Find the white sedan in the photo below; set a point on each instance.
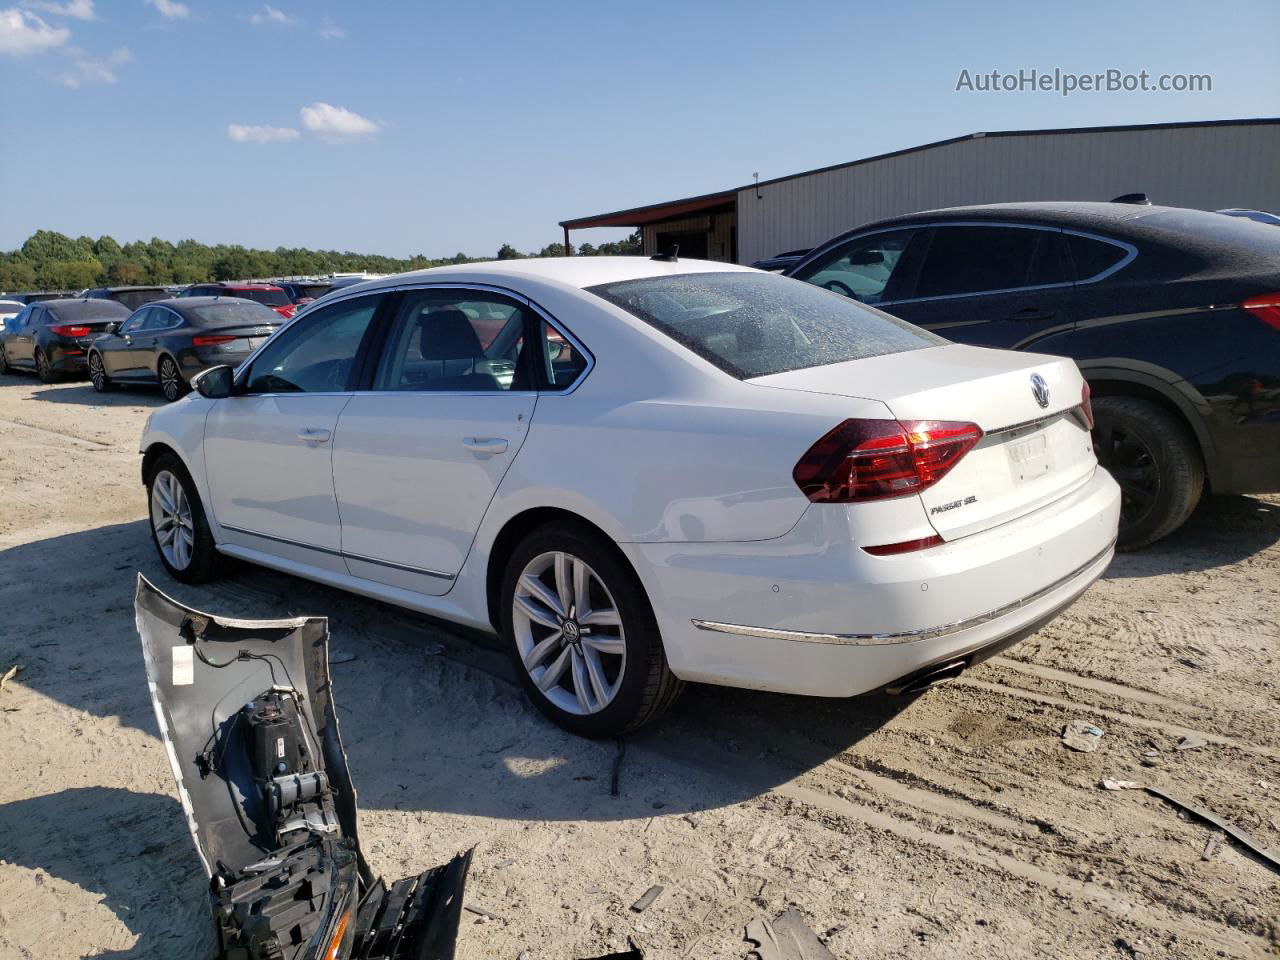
(643, 472)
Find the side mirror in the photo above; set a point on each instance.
(214, 383)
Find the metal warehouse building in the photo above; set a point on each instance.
(1210, 165)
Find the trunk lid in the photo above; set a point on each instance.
(1030, 454)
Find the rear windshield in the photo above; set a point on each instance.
(76, 311)
(313, 290)
(754, 324)
(229, 313)
(133, 299)
(272, 298)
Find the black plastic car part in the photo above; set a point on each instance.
(246, 712)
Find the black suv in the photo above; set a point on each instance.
(1173, 315)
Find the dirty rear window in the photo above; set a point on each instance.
(754, 324)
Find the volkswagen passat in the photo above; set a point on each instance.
(643, 472)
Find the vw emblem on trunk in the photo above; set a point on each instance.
(1040, 390)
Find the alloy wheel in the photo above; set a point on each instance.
(42, 366)
(4, 361)
(568, 632)
(97, 375)
(1133, 466)
(171, 519)
(170, 382)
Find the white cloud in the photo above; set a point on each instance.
(22, 33)
(79, 9)
(269, 14)
(261, 134)
(87, 70)
(171, 9)
(336, 123)
(330, 30)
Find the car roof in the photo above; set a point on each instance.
(11, 303)
(184, 304)
(579, 272)
(144, 286)
(226, 285)
(85, 309)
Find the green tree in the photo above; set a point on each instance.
(234, 263)
(124, 273)
(48, 245)
(508, 252)
(16, 275)
(552, 250)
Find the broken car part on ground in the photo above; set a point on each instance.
(246, 713)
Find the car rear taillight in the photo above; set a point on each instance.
(1086, 405)
(286, 312)
(62, 330)
(864, 460)
(211, 340)
(1266, 308)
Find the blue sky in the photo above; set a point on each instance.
(433, 128)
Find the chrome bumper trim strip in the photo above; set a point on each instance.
(907, 636)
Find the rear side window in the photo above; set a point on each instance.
(966, 259)
(1093, 257)
(754, 324)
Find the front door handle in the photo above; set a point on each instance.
(485, 445)
(1032, 313)
(310, 435)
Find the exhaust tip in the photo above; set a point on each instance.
(933, 677)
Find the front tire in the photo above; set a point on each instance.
(582, 635)
(43, 368)
(179, 529)
(98, 374)
(1155, 459)
(171, 383)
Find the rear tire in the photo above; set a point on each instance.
(616, 648)
(179, 529)
(171, 383)
(5, 366)
(98, 374)
(43, 369)
(1155, 458)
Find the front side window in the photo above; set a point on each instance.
(970, 259)
(751, 324)
(318, 354)
(451, 340)
(135, 323)
(862, 268)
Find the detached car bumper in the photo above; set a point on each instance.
(807, 614)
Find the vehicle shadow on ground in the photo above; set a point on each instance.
(1221, 531)
(431, 715)
(132, 848)
(83, 393)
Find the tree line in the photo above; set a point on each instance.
(49, 260)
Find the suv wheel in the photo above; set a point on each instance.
(1156, 461)
(582, 635)
(178, 525)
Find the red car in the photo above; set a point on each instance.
(265, 293)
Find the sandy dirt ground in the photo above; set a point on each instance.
(952, 825)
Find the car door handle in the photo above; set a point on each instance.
(485, 445)
(309, 435)
(1032, 313)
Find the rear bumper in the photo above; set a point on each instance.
(67, 357)
(804, 614)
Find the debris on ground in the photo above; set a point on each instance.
(481, 912)
(10, 674)
(1211, 846)
(646, 900)
(788, 937)
(1192, 741)
(1121, 785)
(1208, 816)
(1080, 736)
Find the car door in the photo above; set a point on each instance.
(19, 338)
(991, 285)
(268, 447)
(158, 330)
(120, 354)
(418, 457)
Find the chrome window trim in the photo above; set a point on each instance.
(1131, 253)
(339, 553)
(906, 636)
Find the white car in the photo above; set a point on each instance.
(642, 472)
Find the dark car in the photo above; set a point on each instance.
(52, 337)
(267, 294)
(781, 262)
(169, 341)
(131, 297)
(1173, 315)
(38, 296)
(304, 291)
